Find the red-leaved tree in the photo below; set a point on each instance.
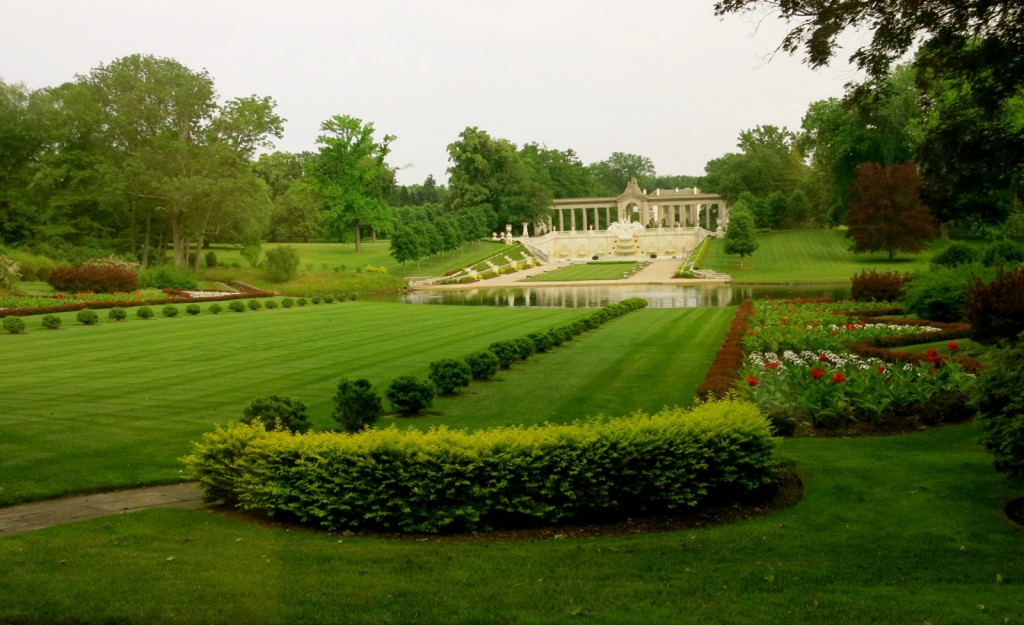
(886, 213)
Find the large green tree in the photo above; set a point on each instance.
(353, 176)
(740, 235)
(489, 171)
(613, 174)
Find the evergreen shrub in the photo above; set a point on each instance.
(169, 311)
(483, 365)
(211, 258)
(449, 481)
(215, 308)
(409, 395)
(301, 301)
(87, 316)
(541, 341)
(357, 405)
(449, 374)
(277, 412)
(314, 300)
(144, 312)
(51, 322)
(271, 304)
(956, 254)
(938, 295)
(1003, 253)
(287, 302)
(254, 304)
(236, 306)
(117, 314)
(525, 347)
(193, 309)
(506, 351)
(998, 396)
(14, 325)
(878, 286)
(167, 277)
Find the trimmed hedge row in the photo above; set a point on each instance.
(448, 481)
(724, 370)
(172, 299)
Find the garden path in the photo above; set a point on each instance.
(34, 516)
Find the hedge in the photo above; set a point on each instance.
(449, 481)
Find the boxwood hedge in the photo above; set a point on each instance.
(447, 481)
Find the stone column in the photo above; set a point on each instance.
(584, 212)
(561, 220)
(572, 219)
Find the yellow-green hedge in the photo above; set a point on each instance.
(445, 480)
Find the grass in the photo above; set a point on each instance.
(332, 267)
(903, 529)
(588, 271)
(116, 404)
(808, 256)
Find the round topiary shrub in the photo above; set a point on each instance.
(449, 374)
(193, 309)
(287, 302)
(954, 255)
(555, 336)
(1005, 253)
(144, 312)
(117, 314)
(236, 306)
(270, 305)
(87, 316)
(506, 351)
(210, 258)
(169, 311)
(483, 365)
(525, 347)
(357, 405)
(14, 325)
(301, 301)
(254, 304)
(315, 300)
(328, 299)
(51, 322)
(278, 412)
(541, 341)
(409, 394)
(215, 308)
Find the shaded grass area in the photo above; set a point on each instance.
(644, 361)
(588, 271)
(332, 267)
(809, 256)
(116, 404)
(905, 529)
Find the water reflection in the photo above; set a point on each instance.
(657, 296)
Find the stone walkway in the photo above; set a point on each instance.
(34, 516)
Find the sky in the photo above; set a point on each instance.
(665, 79)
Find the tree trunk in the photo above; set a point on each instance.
(179, 240)
(359, 242)
(199, 248)
(147, 241)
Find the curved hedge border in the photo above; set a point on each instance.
(444, 480)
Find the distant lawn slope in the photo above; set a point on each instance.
(808, 256)
(336, 267)
(588, 271)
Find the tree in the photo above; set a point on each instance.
(740, 237)
(405, 245)
(769, 163)
(886, 213)
(561, 171)
(613, 174)
(492, 172)
(278, 411)
(352, 175)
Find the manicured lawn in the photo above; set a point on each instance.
(116, 404)
(644, 361)
(588, 271)
(808, 256)
(903, 529)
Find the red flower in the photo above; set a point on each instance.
(953, 347)
(752, 381)
(932, 356)
(751, 333)
(817, 374)
(833, 333)
(785, 320)
(823, 357)
(850, 326)
(881, 368)
(838, 377)
(771, 365)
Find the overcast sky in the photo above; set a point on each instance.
(661, 78)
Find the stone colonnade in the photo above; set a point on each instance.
(564, 218)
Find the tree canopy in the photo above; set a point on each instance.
(886, 213)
